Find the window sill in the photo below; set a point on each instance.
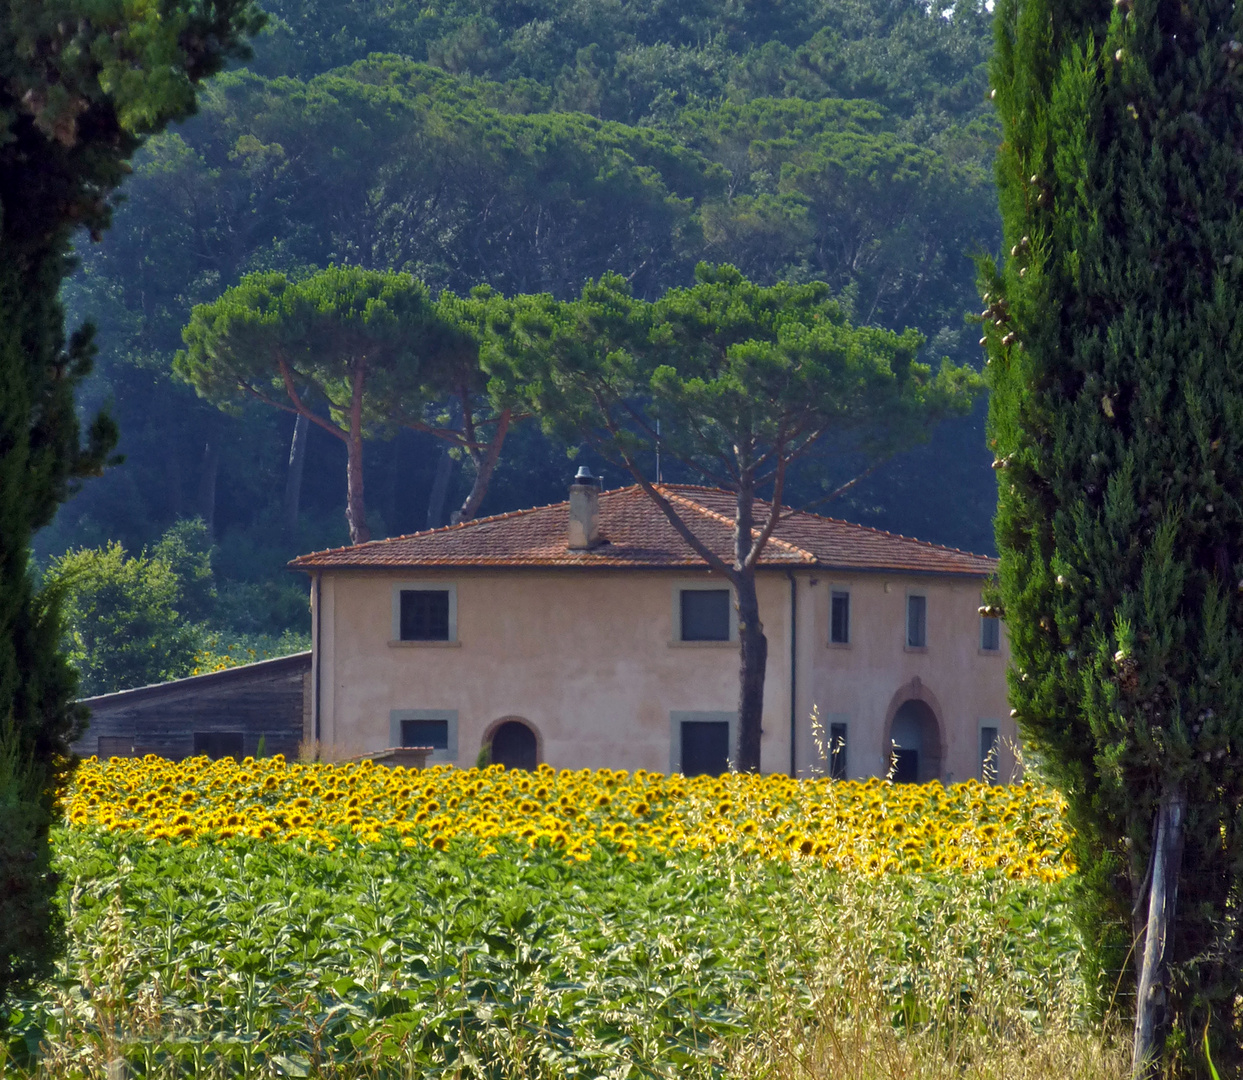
(703, 644)
(424, 644)
(990, 652)
(839, 644)
(915, 648)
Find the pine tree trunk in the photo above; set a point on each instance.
(440, 490)
(1150, 1006)
(752, 644)
(172, 484)
(753, 663)
(485, 465)
(208, 476)
(293, 477)
(355, 507)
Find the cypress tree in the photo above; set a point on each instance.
(81, 84)
(1115, 349)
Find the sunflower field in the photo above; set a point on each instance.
(873, 827)
(265, 919)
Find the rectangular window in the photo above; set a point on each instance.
(437, 728)
(705, 614)
(990, 633)
(433, 733)
(705, 747)
(837, 751)
(839, 618)
(218, 744)
(988, 754)
(424, 615)
(701, 742)
(916, 622)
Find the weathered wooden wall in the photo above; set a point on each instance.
(269, 700)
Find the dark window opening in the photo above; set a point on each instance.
(916, 621)
(837, 751)
(705, 614)
(705, 747)
(433, 733)
(990, 634)
(839, 619)
(218, 744)
(988, 754)
(424, 614)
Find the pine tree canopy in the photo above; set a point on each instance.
(1114, 329)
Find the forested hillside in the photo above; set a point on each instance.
(531, 146)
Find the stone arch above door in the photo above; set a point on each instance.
(915, 722)
(515, 743)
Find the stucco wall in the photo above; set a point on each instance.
(865, 682)
(588, 660)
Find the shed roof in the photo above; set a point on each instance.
(636, 534)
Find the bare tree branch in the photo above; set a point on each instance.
(666, 508)
(299, 407)
(484, 467)
(774, 515)
(839, 491)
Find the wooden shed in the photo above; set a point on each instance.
(220, 714)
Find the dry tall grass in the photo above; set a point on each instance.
(881, 998)
(872, 1050)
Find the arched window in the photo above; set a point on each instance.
(514, 745)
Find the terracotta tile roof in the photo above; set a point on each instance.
(636, 534)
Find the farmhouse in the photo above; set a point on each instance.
(590, 634)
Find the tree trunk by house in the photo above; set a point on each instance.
(440, 489)
(753, 663)
(355, 506)
(1166, 864)
(208, 474)
(752, 644)
(485, 465)
(293, 477)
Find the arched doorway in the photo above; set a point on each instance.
(915, 743)
(514, 745)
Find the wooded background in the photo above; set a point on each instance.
(532, 146)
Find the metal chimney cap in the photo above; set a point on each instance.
(583, 476)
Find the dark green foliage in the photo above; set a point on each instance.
(543, 144)
(31, 932)
(1115, 335)
(81, 85)
(126, 623)
(648, 59)
(187, 550)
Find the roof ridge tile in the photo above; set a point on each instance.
(773, 538)
(638, 535)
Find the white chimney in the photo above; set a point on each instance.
(584, 511)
